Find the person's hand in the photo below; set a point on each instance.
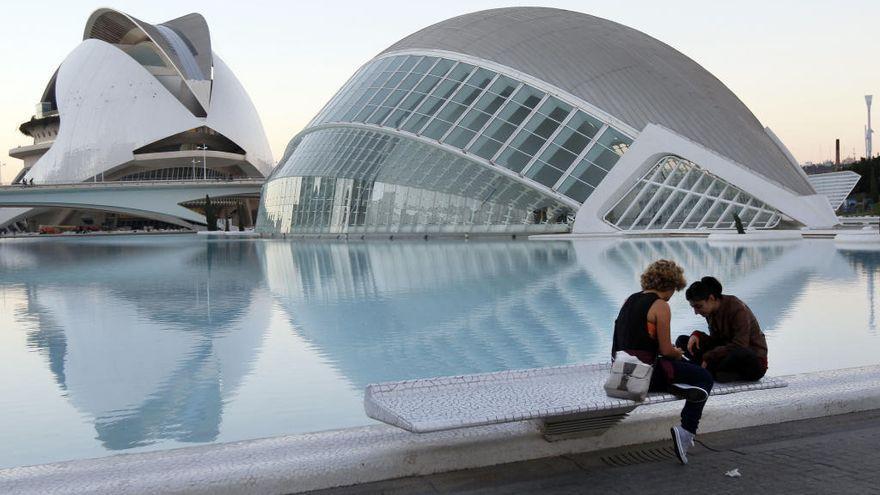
(678, 353)
(693, 343)
(705, 365)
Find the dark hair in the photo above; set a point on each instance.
(703, 288)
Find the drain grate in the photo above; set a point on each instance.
(639, 456)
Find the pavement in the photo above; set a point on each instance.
(833, 454)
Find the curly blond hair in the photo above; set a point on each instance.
(663, 275)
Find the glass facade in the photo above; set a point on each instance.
(501, 120)
(347, 180)
(677, 194)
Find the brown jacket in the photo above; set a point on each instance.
(732, 325)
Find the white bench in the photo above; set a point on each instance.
(568, 400)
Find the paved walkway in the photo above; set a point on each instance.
(838, 454)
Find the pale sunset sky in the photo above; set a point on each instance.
(802, 67)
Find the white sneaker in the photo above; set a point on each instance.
(683, 440)
(690, 393)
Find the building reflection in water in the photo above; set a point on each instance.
(133, 338)
(391, 311)
(865, 260)
(151, 340)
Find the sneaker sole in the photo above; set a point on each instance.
(691, 393)
(678, 453)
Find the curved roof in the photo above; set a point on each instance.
(184, 42)
(620, 70)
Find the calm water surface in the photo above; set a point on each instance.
(125, 344)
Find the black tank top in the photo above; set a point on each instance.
(631, 325)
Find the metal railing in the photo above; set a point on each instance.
(135, 184)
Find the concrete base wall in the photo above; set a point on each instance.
(344, 457)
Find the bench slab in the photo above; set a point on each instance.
(560, 393)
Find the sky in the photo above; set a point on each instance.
(802, 67)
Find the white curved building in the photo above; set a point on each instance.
(535, 120)
(136, 101)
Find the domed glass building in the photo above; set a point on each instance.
(529, 120)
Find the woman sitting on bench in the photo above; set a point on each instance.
(642, 329)
(735, 348)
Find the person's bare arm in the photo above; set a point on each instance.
(661, 316)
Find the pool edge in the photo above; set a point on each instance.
(291, 464)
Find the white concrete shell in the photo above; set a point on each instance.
(130, 85)
(110, 106)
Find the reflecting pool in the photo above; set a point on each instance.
(125, 344)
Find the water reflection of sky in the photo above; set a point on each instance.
(136, 343)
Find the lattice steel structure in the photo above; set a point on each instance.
(837, 186)
(678, 195)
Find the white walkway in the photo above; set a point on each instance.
(159, 200)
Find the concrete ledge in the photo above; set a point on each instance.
(753, 236)
(859, 239)
(231, 233)
(358, 455)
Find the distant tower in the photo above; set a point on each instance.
(837, 154)
(868, 130)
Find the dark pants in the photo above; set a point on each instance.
(683, 372)
(739, 364)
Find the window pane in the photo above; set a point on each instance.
(716, 188)
(714, 214)
(545, 174)
(460, 137)
(427, 84)
(460, 72)
(541, 126)
(423, 65)
(575, 189)
(485, 147)
(571, 140)
(615, 141)
(489, 102)
(555, 109)
(408, 63)
(513, 159)
(467, 95)
(603, 157)
(528, 97)
(480, 79)
(442, 67)
(437, 128)
(558, 157)
(474, 120)
(593, 175)
(514, 114)
(500, 130)
(451, 112)
(528, 143)
(585, 124)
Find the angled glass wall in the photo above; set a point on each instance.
(676, 194)
(836, 186)
(349, 180)
(494, 117)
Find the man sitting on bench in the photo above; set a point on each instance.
(735, 348)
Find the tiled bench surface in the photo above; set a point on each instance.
(445, 403)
